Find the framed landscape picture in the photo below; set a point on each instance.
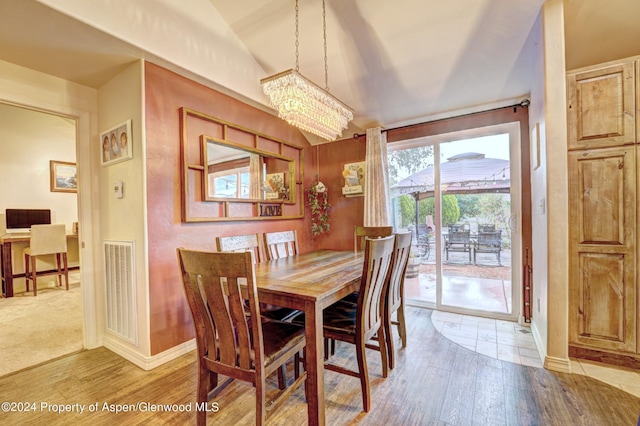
(115, 144)
(63, 176)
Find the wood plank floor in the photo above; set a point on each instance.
(435, 382)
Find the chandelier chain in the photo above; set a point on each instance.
(324, 29)
(297, 42)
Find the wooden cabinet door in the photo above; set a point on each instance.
(602, 244)
(601, 109)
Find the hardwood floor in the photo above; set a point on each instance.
(435, 382)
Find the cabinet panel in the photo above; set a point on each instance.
(601, 110)
(601, 183)
(602, 196)
(606, 300)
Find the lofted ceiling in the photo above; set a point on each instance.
(394, 62)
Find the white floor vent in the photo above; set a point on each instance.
(121, 294)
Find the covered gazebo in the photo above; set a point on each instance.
(468, 173)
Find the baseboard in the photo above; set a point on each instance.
(540, 345)
(559, 365)
(148, 362)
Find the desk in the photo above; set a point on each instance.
(6, 243)
(310, 282)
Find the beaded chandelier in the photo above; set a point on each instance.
(303, 103)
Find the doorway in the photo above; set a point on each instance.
(31, 139)
(462, 206)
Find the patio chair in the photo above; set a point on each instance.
(486, 227)
(488, 242)
(459, 241)
(457, 227)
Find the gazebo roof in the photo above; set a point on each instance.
(470, 173)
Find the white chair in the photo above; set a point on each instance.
(46, 240)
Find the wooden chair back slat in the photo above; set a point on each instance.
(400, 261)
(360, 232)
(377, 266)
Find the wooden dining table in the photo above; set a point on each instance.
(310, 282)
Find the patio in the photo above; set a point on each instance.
(478, 287)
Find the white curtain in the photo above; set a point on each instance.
(255, 176)
(376, 186)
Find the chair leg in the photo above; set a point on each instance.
(402, 325)
(26, 271)
(364, 374)
(261, 411)
(65, 264)
(34, 275)
(296, 365)
(282, 376)
(383, 351)
(204, 386)
(59, 275)
(388, 333)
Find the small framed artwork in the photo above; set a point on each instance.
(274, 186)
(63, 176)
(535, 146)
(354, 175)
(115, 144)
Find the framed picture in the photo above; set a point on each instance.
(115, 144)
(354, 175)
(274, 185)
(63, 176)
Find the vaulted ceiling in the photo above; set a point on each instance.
(394, 62)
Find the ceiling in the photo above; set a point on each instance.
(395, 63)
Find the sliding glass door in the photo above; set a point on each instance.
(462, 206)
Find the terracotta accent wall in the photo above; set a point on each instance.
(346, 212)
(165, 93)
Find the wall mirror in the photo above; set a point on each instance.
(242, 173)
(233, 173)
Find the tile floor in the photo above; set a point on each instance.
(509, 341)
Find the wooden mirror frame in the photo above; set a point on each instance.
(196, 129)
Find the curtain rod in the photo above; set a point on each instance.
(523, 104)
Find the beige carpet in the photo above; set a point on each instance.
(37, 329)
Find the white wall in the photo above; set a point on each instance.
(537, 127)
(123, 219)
(555, 131)
(28, 141)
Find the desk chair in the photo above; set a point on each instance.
(359, 232)
(46, 240)
(229, 341)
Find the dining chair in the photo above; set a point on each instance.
(251, 243)
(46, 240)
(281, 244)
(395, 294)
(230, 342)
(360, 232)
(358, 324)
(242, 243)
